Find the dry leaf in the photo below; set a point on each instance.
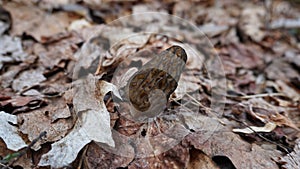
(9, 133)
(238, 151)
(251, 23)
(200, 160)
(279, 69)
(61, 47)
(93, 123)
(288, 91)
(5, 21)
(79, 24)
(177, 157)
(11, 50)
(97, 157)
(37, 121)
(292, 160)
(272, 112)
(28, 79)
(9, 76)
(36, 22)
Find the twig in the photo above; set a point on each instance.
(197, 103)
(82, 156)
(261, 95)
(256, 95)
(4, 166)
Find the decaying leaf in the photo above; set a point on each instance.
(9, 76)
(37, 121)
(265, 112)
(61, 48)
(31, 20)
(11, 50)
(93, 123)
(79, 24)
(28, 79)
(251, 23)
(281, 70)
(242, 154)
(97, 157)
(5, 21)
(177, 157)
(198, 159)
(9, 133)
(18, 104)
(292, 160)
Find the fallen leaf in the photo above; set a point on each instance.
(288, 91)
(88, 57)
(18, 104)
(9, 76)
(61, 47)
(279, 69)
(11, 50)
(79, 24)
(9, 133)
(36, 22)
(4, 151)
(93, 123)
(225, 143)
(28, 79)
(251, 23)
(37, 121)
(291, 160)
(281, 120)
(177, 157)
(293, 57)
(212, 29)
(97, 157)
(285, 23)
(5, 21)
(265, 112)
(198, 159)
(246, 56)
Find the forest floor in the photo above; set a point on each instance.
(73, 76)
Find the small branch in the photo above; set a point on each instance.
(2, 166)
(256, 95)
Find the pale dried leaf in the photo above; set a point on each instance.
(9, 133)
(64, 151)
(79, 24)
(36, 22)
(288, 91)
(292, 160)
(93, 123)
(251, 23)
(285, 23)
(11, 50)
(38, 121)
(28, 79)
(3, 27)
